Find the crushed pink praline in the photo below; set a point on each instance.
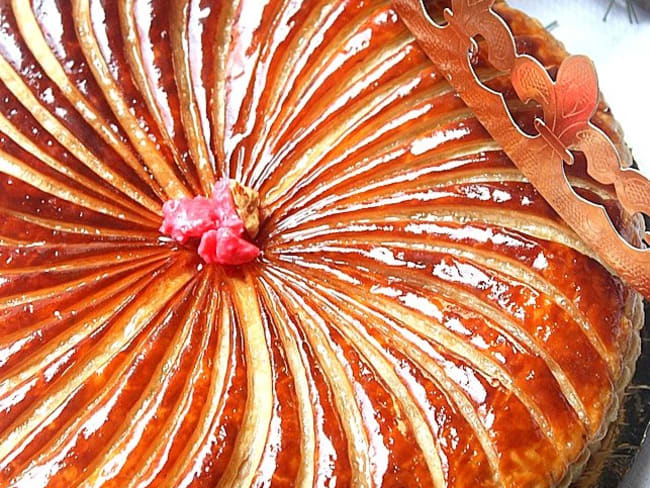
(215, 222)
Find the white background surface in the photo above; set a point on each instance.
(621, 52)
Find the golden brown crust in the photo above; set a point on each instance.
(247, 203)
(545, 47)
(419, 316)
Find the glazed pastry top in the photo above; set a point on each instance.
(418, 315)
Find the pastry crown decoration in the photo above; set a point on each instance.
(568, 103)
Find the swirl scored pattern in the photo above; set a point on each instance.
(418, 316)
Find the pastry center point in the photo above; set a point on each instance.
(222, 225)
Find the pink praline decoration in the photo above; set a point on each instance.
(215, 222)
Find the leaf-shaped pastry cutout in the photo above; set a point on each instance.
(466, 9)
(602, 158)
(532, 82)
(634, 191)
(477, 18)
(577, 97)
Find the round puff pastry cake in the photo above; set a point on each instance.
(418, 316)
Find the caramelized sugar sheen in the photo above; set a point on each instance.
(418, 315)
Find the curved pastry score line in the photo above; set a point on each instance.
(250, 442)
(204, 435)
(161, 452)
(142, 76)
(160, 168)
(7, 128)
(13, 167)
(52, 457)
(37, 43)
(130, 328)
(193, 124)
(65, 137)
(312, 324)
(491, 308)
(307, 474)
(491, 261)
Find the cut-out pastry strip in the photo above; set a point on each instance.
(569, 102)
